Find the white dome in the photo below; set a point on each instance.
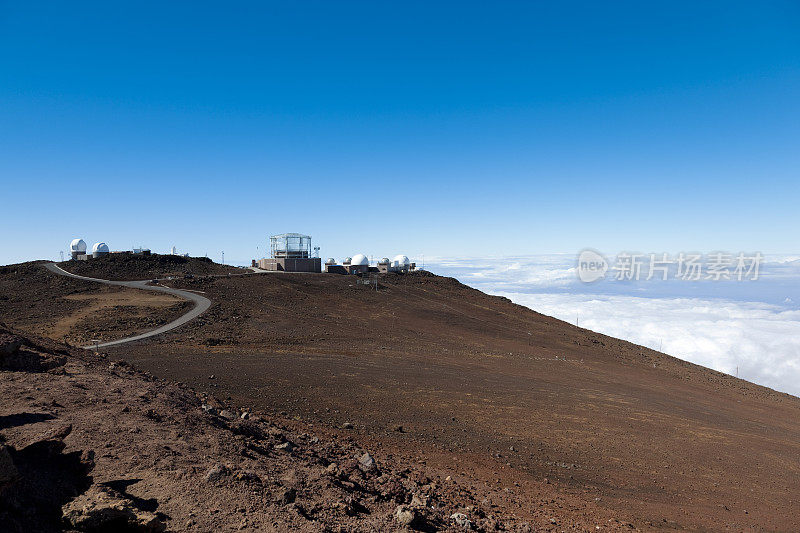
(384, 260)
(359, 259)
(100, 248)
(346, 261)
(78, 245)
(330, 261)
(401, 260)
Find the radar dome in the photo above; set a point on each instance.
(78, 246)
(359, 259)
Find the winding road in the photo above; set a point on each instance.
(201, 304)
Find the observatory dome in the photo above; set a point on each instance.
(100, 248)
(78, 246)
(384, 260)
(346, 261)
(330, 261)
(359, 259)
(401, 260)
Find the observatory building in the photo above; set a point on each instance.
(291, 252)
(401, 263)
(99, 249)
(359, 264)
(77, 250)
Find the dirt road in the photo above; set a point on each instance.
(201, 304)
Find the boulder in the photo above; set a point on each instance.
(405, 516)
(366, 462)
(102, 509)
(285, 447)
(228, 414)
(461, 520)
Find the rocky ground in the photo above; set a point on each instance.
(92, 444)
(138, 267)
(515, 417)
(504, 389)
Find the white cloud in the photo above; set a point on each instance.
(752, 325)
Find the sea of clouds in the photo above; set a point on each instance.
(751, 327)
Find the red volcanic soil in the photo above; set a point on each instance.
(536, 418)
(505, 390)
(90, 444)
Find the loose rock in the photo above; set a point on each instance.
(405, 516)
(366, 462)
(106, 510)
(461, 520)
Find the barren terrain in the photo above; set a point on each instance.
(41, 303)
(126, 267)
(91, 444)
(552, 425)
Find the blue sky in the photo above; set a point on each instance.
(425, 128)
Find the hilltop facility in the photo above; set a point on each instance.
(290, 252)
(359, 264)
(78, 251)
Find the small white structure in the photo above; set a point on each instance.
(99, 249)
(359, 264)
(330, 261)
(359, 259)
(78, 245)
(400, 263)
(77, 249)
(346, 261)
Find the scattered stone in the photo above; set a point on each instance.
(405, 516)
(228, 414)
(245, 416)
(285, 447)
(366, 462)
(399, 429)
(461, 520)
(210, 409)
(347, 425)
